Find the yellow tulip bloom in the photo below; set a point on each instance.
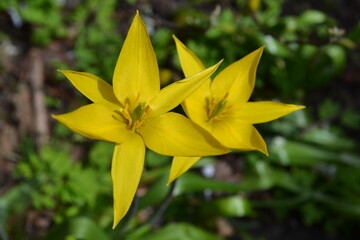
(221, 106)
(133, 113)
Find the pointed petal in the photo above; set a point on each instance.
(126, 168)
(265, 111)
(195, 105)
(95, 121)
(190, 63)
(136, 74)
(180, 165)
(237, 80)
(175, 135)
(237, 134)
(93, 87)
(175, 93)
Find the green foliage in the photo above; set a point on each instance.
(180, 231)
(293, 43)
(57, 182)
(77, 228)
(97, 44)
(314, 166)
(37, 13)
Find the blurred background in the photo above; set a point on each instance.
(55, 184)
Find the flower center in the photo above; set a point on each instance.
(216, 109)
(136, 118)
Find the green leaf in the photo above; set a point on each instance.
(275, 47)
(234, 206)
(311, 17)
(264, 177)
(337, 56)
(180, 231)
(14, 201)
(328, 109)
(78, 228)
(288, 152)
(338, 204)
(354, 34)
(155, 160)
(350, 118)
(156, 193)
(329, 139)
(101, 154)
(190, 182)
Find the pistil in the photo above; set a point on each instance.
(137, 117)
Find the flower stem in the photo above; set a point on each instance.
(132, 213)
(157, 216)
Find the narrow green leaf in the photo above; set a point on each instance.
(191, 182)
(78, 228)
(234, 206)
(180, 231)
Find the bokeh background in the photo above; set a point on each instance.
(55, 184)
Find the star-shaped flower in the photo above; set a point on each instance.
(133, 113)
(221, 106)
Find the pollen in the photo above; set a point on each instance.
(216, 109)
(136, 118)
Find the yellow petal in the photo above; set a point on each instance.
(195, 105)
(180, 165)
(126, 168)
(236, 82)
(265, 111)
(93, 87)
(175, 135)
(95, 121)
(175, 93)
(190, 63)
(237, 134)
(136, 75)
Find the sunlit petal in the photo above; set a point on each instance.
(236, 82)
(175, 135)
(136, 75)
(265, 111)
(190, 63)
(126, 169)
(237, 134)
(175, 93)
(95, 121)
(195, 105)
(93, 87)
(180, 165)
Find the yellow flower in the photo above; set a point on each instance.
(133, 113)
(221, 106)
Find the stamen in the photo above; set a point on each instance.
(126, 114)
(217, 110)
(136, 118)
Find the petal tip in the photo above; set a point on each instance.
(174, 37)
(115, 224)
(65, 71)
(169, 182)
(178, 43)
(260, 50)
(263, 150)
(296, 107)
(301, 106)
